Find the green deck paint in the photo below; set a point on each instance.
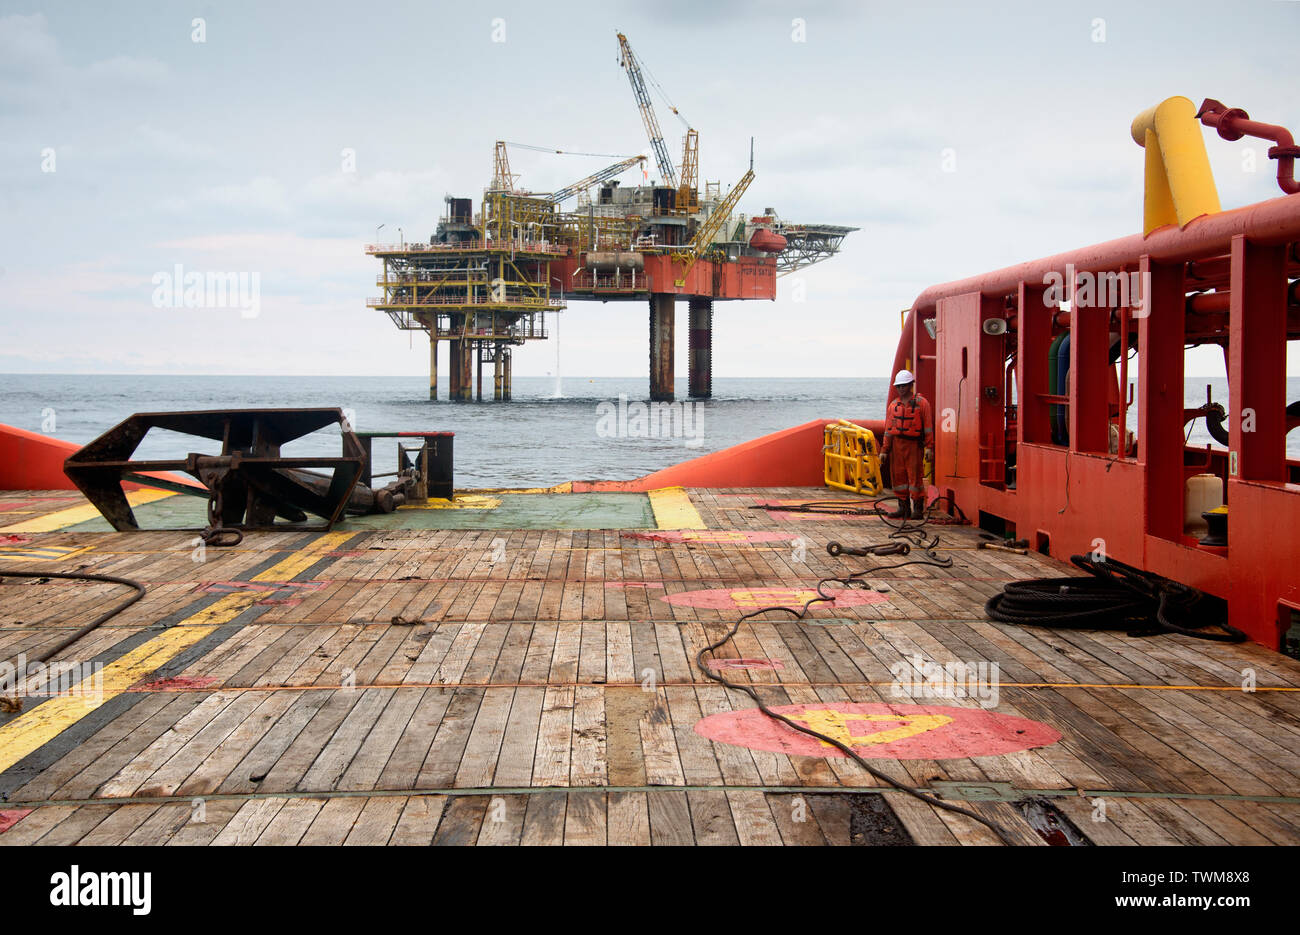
(517, 511)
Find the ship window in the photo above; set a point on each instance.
(1206, 377)
(1132, 416)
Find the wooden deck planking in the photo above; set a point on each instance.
(554, 678)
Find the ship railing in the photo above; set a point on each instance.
(519, 301)
(529, 327)
(623, 282)
(516, 246)
(419, 277)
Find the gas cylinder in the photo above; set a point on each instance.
(1204, 493)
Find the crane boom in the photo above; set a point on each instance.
(688, 195)
(628, 60)
(709, 228)
(608, 172)
(502, 179)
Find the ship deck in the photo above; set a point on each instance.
(537, 685)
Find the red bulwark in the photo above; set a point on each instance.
(31, 461)
(999, 452)
(789, 458)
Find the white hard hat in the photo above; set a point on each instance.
(904, 376)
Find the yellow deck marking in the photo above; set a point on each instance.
(566, 487)
(835, 724)
(45, 553)
(43, 723)
(673, 509)
(467, 501)
(772, 596)
(304, 558)
(61, 519)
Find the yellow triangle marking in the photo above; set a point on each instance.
(835, 724)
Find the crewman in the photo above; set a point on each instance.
(909, 434)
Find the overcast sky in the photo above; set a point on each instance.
(228, 155)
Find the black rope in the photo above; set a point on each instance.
(1116, 597)
(78, 576)
(905, 529)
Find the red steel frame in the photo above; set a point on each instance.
(1078, 497)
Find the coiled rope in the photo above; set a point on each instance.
(1116, 597)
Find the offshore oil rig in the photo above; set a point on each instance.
(485, 280)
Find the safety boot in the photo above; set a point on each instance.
(918, 509)
(904, 510)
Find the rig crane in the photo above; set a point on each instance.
(629, 62)
(608, 172)
(712, 224)
(504, 181)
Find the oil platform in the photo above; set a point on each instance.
(485, 281)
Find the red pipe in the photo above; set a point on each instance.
(1233, 123)
(1207, 303)
(1269, 222)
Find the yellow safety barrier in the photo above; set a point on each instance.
(852, 458)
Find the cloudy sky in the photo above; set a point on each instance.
(228, 155)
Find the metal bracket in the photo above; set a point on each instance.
(976, 791)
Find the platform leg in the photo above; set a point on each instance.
(433, 367)
(662, 319)
(701, 348)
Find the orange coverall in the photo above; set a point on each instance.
(909, 432)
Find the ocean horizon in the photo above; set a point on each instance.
(554, 430)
